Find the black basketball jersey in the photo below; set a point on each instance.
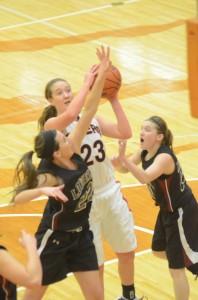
(169, 191)
(7, 288)
(61, 216)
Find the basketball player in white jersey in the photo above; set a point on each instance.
(110, 215)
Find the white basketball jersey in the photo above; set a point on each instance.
(94, 154)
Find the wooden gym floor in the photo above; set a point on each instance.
(41, 40)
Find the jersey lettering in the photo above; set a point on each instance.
(182, 180)
(93, 129)
(84, 179)
(86, 197)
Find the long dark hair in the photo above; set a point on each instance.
(26, 174)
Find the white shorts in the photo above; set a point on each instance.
(111, 218)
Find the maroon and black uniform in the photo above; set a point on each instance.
(176, 228)
(65, 242)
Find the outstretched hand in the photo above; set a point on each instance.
(27, 240)
(117, 160)
(91, 75)
(122, 148)
(55, 192)
(105, 63)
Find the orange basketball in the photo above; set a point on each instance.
(112, 83)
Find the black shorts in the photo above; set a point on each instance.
(176, 233)
(65, 252)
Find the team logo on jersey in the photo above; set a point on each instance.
(94, 129)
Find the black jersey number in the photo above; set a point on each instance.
(85, 198)
(86, 149)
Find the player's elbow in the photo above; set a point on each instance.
(34, 282)
(71, 116)
(127, 134)
(144, 180)
(17, 200)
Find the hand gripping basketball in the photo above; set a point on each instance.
(112, 83)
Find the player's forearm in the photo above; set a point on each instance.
(27, 195)
(77, 103)
(123, 125)
(121, 169)
(33, 269)
(93, 100)
(136, 171)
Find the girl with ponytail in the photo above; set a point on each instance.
(176, 231)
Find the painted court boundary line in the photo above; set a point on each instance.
(35, 21)
(45, 21)
(109, 262)
(108, 143)
(123, 186)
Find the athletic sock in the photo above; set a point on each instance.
(128, 291)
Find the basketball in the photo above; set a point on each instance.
(112, 83)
